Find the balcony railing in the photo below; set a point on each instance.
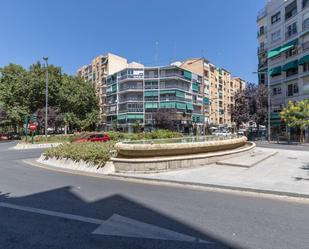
(262, 13)
(176, 87)
(305, 46)
(261, 32)
(132, 87)
(261, 50)
(130, 99)
(290, 34)
(171, 98)
(306, 25)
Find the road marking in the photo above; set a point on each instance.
(52, 213)
(118, 225)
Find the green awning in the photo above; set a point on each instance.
(304, 60)
(288, 45)
(180, 94)
(181, 106)
(195, 87)
(274, 52)
(263, 70)
(151, 105)
(290, 65)
(114, 88)
(187, 75)
(151, 94)
(121, 117)
(167, 92)
(275, 71)
(167, 104)
(135, 116)
(190, 106)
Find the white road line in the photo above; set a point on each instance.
(116, 225)
(52, 213)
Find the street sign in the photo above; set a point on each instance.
(32, 126)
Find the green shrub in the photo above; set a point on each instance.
(90, 152)
(158, 134)
(51, 138)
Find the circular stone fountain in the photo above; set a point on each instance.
(148, 156)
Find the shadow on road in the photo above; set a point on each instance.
(64, 200)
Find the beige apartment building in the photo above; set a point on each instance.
(97, 71)
(219, 89)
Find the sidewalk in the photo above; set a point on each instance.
(285, 173)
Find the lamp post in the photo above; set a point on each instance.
(46, 96)
(268, 103)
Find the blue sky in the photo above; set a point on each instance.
(72, 32)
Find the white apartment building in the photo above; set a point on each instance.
(283, 35)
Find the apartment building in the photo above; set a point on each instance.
(218, 90)
(97, 71)
(283, 53)
(135, 95)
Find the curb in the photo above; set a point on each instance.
(207, 185)
(135, 179)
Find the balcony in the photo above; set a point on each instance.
(305, 46)
(261, 50)
(130, 99)
(306, 24)
(261, 32)
(130, 87)
(261, 14)
(291, 33)
(175, 87)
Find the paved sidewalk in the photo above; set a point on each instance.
(287, 172)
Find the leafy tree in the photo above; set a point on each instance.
(165, 119)
(250, 105)
(296, 114)
(72, 101)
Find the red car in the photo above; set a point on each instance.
(94, 138)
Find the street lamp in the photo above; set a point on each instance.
(268, 102)
(46, 96)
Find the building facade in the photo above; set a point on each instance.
(219, 89)
(96, 73)
(283, 53)
(134, 95)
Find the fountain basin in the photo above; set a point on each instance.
(177, 147)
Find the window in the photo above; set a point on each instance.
(291, 30)
(306, 67)
(275, 36)
(291, 52)
(292, 89)
(291, 10)
(275, 18)
(291, 71)
(305, 3)
(306, 24)
(276, 90)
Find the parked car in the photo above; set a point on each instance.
(4, 137)
(98, 137)
(14, 136)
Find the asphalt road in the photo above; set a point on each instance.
(47, 209)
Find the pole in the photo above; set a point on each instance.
(203, 89)
(46, 97)
(268, 104)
